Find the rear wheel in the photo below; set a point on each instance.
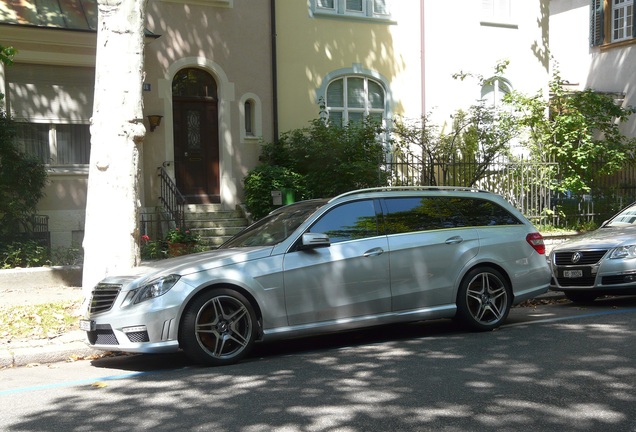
(218, 328)
(484, 299)
(580, 297)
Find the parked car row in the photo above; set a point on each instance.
(598, 263)
(365, 258)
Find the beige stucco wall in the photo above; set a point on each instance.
(310, 48)
(232, 44)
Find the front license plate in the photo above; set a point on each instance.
(87, 325)
(572, 273)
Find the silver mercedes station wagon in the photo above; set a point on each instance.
(598, 263)
(365, 258)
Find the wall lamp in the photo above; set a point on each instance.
(154, 121)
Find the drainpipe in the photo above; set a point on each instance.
(422, 60)
(274, 70)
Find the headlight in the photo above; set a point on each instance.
(624, 252)
(156, 288)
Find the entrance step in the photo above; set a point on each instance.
(214, 224)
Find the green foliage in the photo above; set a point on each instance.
(479, 135)
(153, 249)
(26, 253)
(581, 133)
(7, 54)
(67, 256)
(322, 160)
(22, 179)
(262, 180)
(177, 235)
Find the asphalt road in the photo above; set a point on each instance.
(555, 367)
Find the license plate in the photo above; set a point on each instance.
(572, 273)
(87, 325)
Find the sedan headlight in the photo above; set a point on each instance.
(624, 252)
(156, 288)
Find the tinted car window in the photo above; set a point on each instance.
(420, 214)
(350, 221)
(480, 212)
(275, 227)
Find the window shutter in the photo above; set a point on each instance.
(596, 23)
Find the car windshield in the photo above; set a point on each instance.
(626, 217)
(275, 227)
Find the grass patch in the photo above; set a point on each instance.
(43, 321)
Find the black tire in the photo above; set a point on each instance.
(580, 297)
(484, 299)
(218, 328)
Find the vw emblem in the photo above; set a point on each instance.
(576, 257)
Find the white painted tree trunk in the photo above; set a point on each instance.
(117, 130)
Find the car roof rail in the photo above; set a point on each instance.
(409, 188)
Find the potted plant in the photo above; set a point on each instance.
(180, 242)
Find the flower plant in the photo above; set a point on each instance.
(177, 235)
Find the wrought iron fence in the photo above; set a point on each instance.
(528, 185)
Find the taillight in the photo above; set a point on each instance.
(536, 241)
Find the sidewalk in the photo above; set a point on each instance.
(65, 347)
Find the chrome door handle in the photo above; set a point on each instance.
(373, 252)
(454, 240)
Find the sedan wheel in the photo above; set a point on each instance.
(484, 299)
(218, 328)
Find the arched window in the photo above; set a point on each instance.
(354, 98)
(194, 83)
(249, 117)
(494, 90)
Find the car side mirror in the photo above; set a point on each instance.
(314, 240)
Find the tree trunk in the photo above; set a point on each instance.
(117, 130)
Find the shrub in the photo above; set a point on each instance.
(262, 180)
(322, 160)
(22, 179)
(27, 253)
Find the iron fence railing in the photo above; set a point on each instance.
(171, 199)
(528, 185)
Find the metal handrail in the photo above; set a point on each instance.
(171, 199)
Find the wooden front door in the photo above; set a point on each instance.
(196, 150)
(196, 136)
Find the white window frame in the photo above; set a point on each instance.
(622, 25)
(345, 109)
(497, 87)
(53, 163)
(256, 122)
(340, 9)
(498, 13)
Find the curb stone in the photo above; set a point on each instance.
(67, 346)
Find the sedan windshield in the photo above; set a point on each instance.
(275, 227)
(626, 217)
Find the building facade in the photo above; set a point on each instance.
(225, 75)
(594, 45)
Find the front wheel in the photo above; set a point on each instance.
(218, 328)
(484, 299)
